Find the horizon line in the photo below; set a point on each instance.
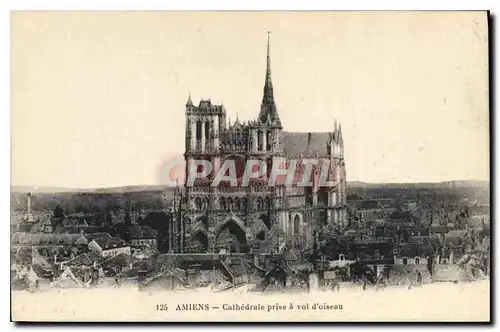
(165, 185)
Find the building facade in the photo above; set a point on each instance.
(239, 218)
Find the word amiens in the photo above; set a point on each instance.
(301, 173)
(192, 307)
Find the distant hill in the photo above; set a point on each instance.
(110, 190)
(42, 189)
(154, 197)
(447, 184)
(139, 188)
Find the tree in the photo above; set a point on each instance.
(109, 219)
(127, 220)
(160, 222)
(58, 212)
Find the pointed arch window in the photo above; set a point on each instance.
(269, 141)
(244, 204)
(267, 205)
(296, 225)
(198, 204)
(260, 138)
(207, 129)
(260, 204)
(198, 130)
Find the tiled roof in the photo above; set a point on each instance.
(84, 259)
(100, 236)
(486, 231)
(418, 239)
(415, 249)
(41, 272)
(44, 239)
(169, 273)
(121, 260)
(74, 221)
(439, 229)
(67, 230)
(40, 225)
(456, 233)
(382, 240)
(306, 143)
(25, 228)
(110, 243)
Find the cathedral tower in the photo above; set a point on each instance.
(267, 131)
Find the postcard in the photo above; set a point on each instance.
(314, 166)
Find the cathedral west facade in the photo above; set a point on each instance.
(258, 216)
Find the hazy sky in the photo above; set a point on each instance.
(98, 97)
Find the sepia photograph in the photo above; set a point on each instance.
(250, 166)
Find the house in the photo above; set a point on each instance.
(456, 237)
(144, 252)
(439, 230)
(46, 224)
(38, 260)
(47, 239)
(367, 211)
(171, 279)
(115, 265)
(142, 236)
(19, 277)
(341, 262)
(446, 269)
(274, 279)
(39, 276)
(413, 254)
(478, 221)
(86, 259)
(109, 246)
(235, 270)
(68, 279)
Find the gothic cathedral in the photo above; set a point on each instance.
(258, 217)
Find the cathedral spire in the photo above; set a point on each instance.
(268, 86)
(268, 106)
